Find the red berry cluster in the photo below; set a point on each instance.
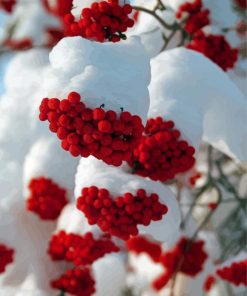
(161, 154)
(198, 17)
(76, 281)
(140, 244)
(7, 5)
(209, 283)
(186, 257)
(46, 198)
(235, 274)
(120, 216)
(106, 20)
(24, 43)
(81, 250)
(241, 3)
(216, 48)
(6, 257)
(84, 131)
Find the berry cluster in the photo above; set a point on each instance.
(7, 5)
(161, 154)
(76, 281)
(6, 257)
(84, 131)
(81, 250)
(120, 216)
(198, 17)
(241, 3)
(235, 274)
(186, 257)
(216, 48)
(24, 43)
(46, 198)
(106, 20)
(139, 244)
(209, 283)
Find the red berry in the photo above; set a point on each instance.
(98, 114)
(104, 126)
(74, 97)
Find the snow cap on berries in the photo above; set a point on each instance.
(72, 220)
(46, 159)
(92, 172)
(115, 76)
(28, 236)
(191, 92)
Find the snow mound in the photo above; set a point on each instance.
(202, 100)
(116, 75)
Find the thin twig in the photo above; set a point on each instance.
(154, 14)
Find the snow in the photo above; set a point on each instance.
(151, 31)
(19, 124)
(73, 220)
(29, 237)
(116, 75)
(94, 172)
(47, 159)
(204, 103)
(110, 275)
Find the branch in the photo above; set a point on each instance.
(158, 18)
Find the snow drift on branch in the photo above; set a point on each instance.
(203, 102)
(116, 75)
(47, 159)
